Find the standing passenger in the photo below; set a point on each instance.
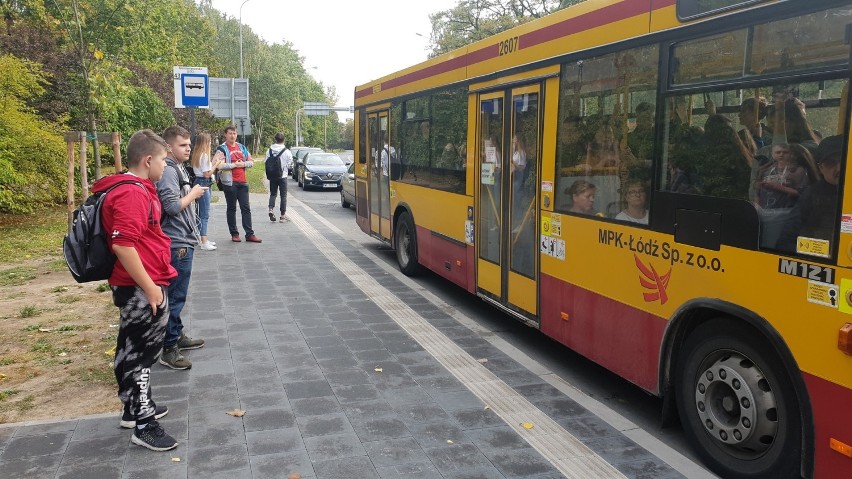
(138, 280)
(235, 185)
(179, 224)
(204, 172)
(276, 173)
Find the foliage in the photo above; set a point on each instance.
(472, 20)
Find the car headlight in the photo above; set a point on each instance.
(308, 174)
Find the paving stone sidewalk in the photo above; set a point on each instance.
(295, 344)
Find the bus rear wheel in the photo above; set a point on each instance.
(737, 404)
(405, 243)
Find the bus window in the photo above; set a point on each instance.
(762, 145)
(696, 8)
(606, 136)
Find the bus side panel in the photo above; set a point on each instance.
(830, 405)
(446, 258)
(621, 338)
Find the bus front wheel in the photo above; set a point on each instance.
(737, 404)
(405, 243)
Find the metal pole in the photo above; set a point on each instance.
(241, 37)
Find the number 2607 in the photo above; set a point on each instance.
(508, 46)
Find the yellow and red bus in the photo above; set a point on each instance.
(656, 184)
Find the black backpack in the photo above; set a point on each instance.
(87, 253)
(273, 165)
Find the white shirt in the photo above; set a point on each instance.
(623, 216)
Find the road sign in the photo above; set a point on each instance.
(193, 90)
(315, 108)
(229, 98)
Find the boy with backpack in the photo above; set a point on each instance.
(178, 223)
(278, 162)
(131, 212)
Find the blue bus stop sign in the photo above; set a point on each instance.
(194, 89)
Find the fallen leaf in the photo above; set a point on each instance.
(378, 370)
(236, 413)
(483, 360)
(294, 475)
(44, 330)
(175, 459)
(63, 354)
(110, 352)
(450, 441)
(2, 377)
(527, 425)
(487, 407)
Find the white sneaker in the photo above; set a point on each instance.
(207, 246)
(212, 242)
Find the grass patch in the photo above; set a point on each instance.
(98, 374)
(4, 395)
(72, 327)
(59, 289)
(7, 361)
(255, 176)
(16, 276)
(34, 235)
(42, 346)
(68, 299)
(102, 288)
(57, 266)
(29, 311)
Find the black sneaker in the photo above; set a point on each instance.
(127, 420)
(271, 215)
(153, 437)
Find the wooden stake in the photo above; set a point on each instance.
(84, 175)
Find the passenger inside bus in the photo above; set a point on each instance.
(641, 139)
(572, 150)
(582, 195)
(725, 162)
(815, 214)
(752, 110)
(637, 208)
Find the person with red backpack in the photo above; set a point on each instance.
(232, 176)
(142, 272)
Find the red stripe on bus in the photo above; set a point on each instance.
(830, 405)
(446, 258)
(597, 18)
(619, 337)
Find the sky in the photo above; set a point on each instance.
(344, 56)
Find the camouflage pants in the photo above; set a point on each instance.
(140, 339)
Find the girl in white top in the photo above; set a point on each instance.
(203, 176)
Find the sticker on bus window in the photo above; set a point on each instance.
(487, 176)
(556, 224)
(823, 293)
(468, 232)
(846, 223)
(553, 247)
(813, 246)
(546, 186)
(491, 154)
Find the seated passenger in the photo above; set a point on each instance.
(582, 195)
(636, 211)
(815, 214)
(782, 180)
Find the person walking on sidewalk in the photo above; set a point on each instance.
(178, 223)
(204, 172)
(278, 162)
(132, 212)
(234, 183)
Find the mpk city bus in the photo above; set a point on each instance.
(656, 184)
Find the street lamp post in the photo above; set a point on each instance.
(241, 37)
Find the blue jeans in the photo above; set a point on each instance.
(238, 193)
(178, 288)
(274, 187)
(203, 204)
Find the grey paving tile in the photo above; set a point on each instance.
(40, 445)
(416, 358)
(539, 391)
(440, 384)
(499, 438)
(419, 470)
(332, 340)
(368, 409)
(311, 372)
(332, 352)
(588, 426)
(397, 451)
(204, 368)
(275, 441)
(364, 344)
(212, 381)
(431, 368)
(480, 473)
(88, 471)
(278, 466)
(336, 364)
(347, 377)
(439, 433)
(95, 451)
(263, 419)
(42, 429)
(140, 459)
(231, 460)
(355, 393)
(315, 406)
(457, 457)
(264, 400)
(648, 469)
(35, 467)
(372, 356)
(520, 463)
(174, 471)
(618, 449)
(249, 384)
(404, 396)
(168, 394)
(457, 400)
(327, 424)
(325, 448)
(378, 428)
(307, 389)
(425, 411)
(559, 408)
(223, 434)
(347, 468)
(476, 418)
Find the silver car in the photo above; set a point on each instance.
(347, 190)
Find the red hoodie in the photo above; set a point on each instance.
(133, 215)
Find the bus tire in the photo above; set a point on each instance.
(737, 405)
(405, 243)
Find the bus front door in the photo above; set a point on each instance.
(379, 190)
(509, 135)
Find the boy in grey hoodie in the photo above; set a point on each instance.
(178, 223)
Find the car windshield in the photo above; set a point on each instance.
(330, 160)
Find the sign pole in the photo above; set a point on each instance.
(192, 124)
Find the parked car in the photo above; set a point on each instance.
(347, 190)
(322, 170)
(298, 159)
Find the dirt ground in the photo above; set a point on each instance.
(56, 344)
